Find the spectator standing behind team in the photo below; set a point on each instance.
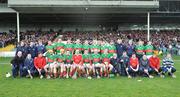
(41, 47)
(22, 47)
(130, 48)
(32, 49)
(120, 47)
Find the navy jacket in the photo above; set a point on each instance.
(120, 49)
(33, 51)
(23, 49)
(41, 48)
(29, 63)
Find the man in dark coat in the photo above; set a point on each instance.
(17, 64)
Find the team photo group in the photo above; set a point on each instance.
(90, 59)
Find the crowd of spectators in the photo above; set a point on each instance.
(164, 41)
(35, 36)
(6, 39)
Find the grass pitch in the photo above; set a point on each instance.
(105, 87)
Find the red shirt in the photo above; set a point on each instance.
(77, 58)
(39, 62)
(134, 62)
(154, 62)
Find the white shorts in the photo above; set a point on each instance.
(67, 65)
(88, 65)
(80, 66)
(60, 64)
(49, 65)
(109, 66)
(97, 65)
(148, 56)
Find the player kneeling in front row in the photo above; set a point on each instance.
(96, 61)
(39, 63)
(168, 66)
(106, 63)
(87, 63)
(49, 68)
(144, 66)
(60, 64)
(68, 63)
(133, 67)
(77, 66)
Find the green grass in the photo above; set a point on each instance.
(114, 87)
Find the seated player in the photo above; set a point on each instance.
(51, 61)
(17, 64)
(60, 64)
(133, 67)
(168, 66)
(96, 62)
(124, 61)
(154, 63)
(77, 64)
(87, 63)
(107, 67)
(68, 63)
(144, 66)
(28, 66)
(39, 64)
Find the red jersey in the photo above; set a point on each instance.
(154, 62)
(77, 58)
(134, 62)
(39, 62)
